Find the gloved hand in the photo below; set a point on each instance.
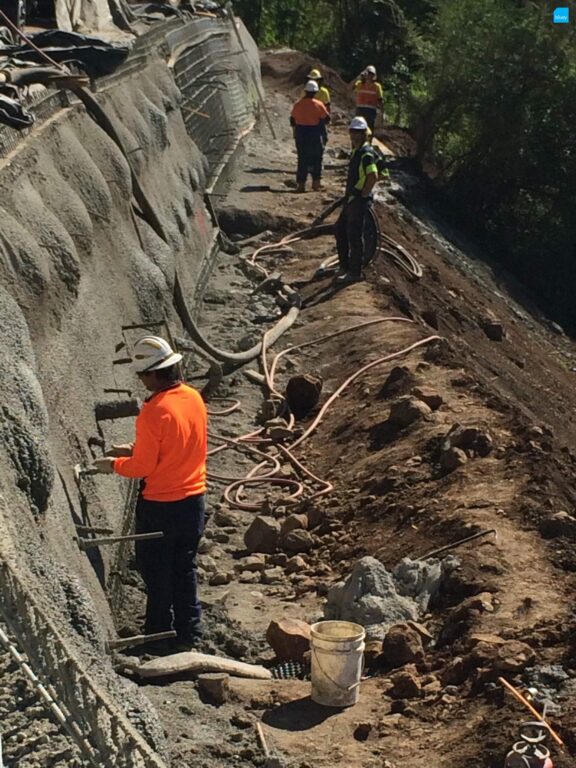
(104, 466)
(121, 450)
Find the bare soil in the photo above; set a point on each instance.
(392, 498)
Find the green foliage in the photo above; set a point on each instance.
(488, 90)
(494, 105)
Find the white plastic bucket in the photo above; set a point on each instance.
(337, 650)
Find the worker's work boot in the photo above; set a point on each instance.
(301, 187)
(347, 279)
(316, 185)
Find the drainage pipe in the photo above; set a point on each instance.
(233, 358)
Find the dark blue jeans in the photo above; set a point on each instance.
(168, 565)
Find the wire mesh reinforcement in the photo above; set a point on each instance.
(114, 740)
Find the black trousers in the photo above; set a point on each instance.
(369, 114)
(310, 158)
(350, 235)
(168, 565)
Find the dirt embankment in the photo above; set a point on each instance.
(469, 434)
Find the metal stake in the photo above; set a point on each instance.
(91, 543)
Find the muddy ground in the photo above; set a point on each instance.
(500, 368)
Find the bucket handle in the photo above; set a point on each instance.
(345, 688)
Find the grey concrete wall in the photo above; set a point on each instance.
(76, 264)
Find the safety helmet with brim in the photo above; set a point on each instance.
(358, 124)
(314, 74)
(370, 70)
(311, 87)
(152, 353)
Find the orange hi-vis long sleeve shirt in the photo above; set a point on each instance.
(170, 446)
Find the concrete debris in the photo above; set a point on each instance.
(262, 535)
(303, 393)
(402, 645)
(216, 686)
(428, 395)
(298, 541)
(289, 639)
(195, 663)
(369, 597)
(408, 410)
(421, 579)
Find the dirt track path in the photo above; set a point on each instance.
(391, 498)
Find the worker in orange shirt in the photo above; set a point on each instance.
(369, 96)
(309, 120)
(169, 453)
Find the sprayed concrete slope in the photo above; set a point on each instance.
(76, 264)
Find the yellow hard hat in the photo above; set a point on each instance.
(314, 74)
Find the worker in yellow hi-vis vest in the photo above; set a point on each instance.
(369, 96)
(323, 94)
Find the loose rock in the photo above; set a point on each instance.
(431, 397)
(298, 541)
(452, 458)
(289, 639)
(293, 523)
(405, 684)
(216, 685)
(408, 410)
(400, 380)
(303, 393)
(262, 535)
(402, 645)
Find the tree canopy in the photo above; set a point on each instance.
(487, 88)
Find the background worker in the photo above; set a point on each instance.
(323, 94)
(309, 120)
(169, 452)
(362, 176)
(369, 96)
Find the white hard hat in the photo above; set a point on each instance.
(151, 353)
(370, 70)
(311, 87)
(358, 124)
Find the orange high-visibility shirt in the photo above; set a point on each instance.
(368, 94)
(170, 445)
(309, 112)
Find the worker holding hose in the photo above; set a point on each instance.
(169, 453)
(362, 176)
(309, 120)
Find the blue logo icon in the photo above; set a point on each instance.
(561, 15)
